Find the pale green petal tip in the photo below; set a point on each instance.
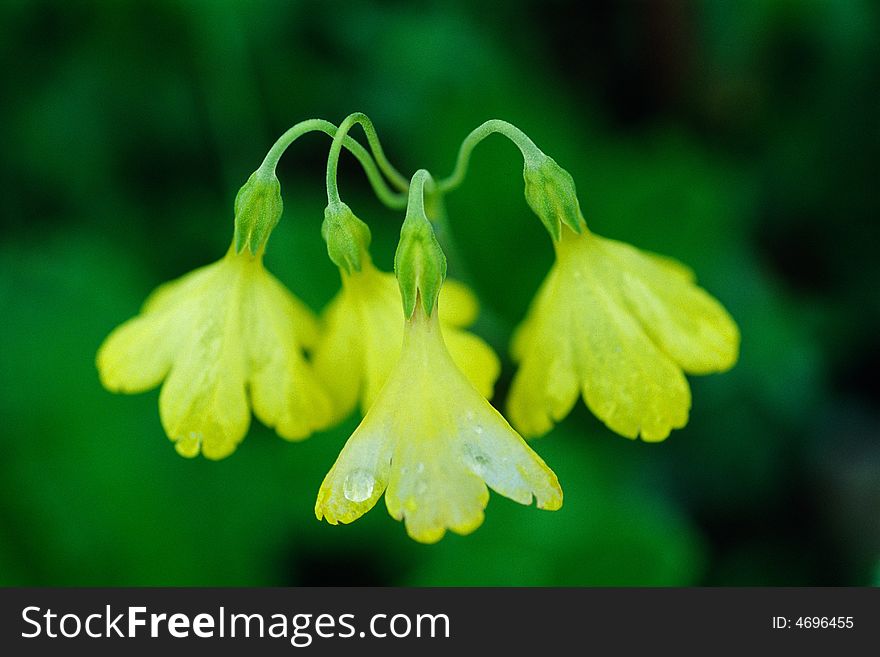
(214, 448)
(430, 535)
(551, 497)
(347, 500)
(188, 447)
(552, 503)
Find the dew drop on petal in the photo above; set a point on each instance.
(475, 459)
(358, 485)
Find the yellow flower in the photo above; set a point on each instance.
(363, 333)
(223, 335)
(434, 442)
(617, 325)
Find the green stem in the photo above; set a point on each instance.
(415, 208)
(396, 178)
(518, 137)
(386, 195)
(335, 149)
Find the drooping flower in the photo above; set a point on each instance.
(224, 337)
(619, 326)
(432, 443)
(363, 333)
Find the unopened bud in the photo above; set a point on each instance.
(420, 265)
(347, 237)
(551, 193)
(258, 208)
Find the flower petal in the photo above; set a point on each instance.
(283, 389)
(382, 334)
(434, 442)
(474, 358)
(137, 355)
(546, 386)
(432, 491)
(492, 450)
(685, 321)
(203, 405)
(301, 318)
(338, 358)
(361, 339)
(174, 293)
(458, 304)
(358, 478)
(627, 381)
(582, 329)
(544, 389)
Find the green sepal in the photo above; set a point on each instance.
(347, 237)
(550, 192)
(258, 208)
(419, 264)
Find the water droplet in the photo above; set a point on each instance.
(358, 486)
(420, 467)
(475, 459)
(478, 429)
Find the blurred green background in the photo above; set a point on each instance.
(741, 138)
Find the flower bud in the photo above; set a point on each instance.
(419, 264)
(347, 237)
(258, 207)
(550, 192)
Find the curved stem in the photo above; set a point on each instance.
(333, 197)
(385, 195)
(518, 137)
(396, 178)
(333, 158)
(416, 205)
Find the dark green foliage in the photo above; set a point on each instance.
(740, 138)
